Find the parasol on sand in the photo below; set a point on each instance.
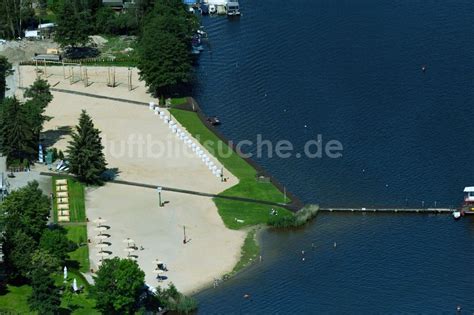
(100, 221)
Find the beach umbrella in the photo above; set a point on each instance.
(128, 240)
(101, 245)
(157, 111)
(100, 229)
(151, 105)
(167, 118)
(158, 271)
(179, 131)
(74, 285)
(129, 250)
(65, 272)
(100, 221)
(214, 168)
(103, 253)
(157, 262)
(101, 237)
(172, 123)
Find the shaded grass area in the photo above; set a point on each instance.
(14, 300)
(249, 252)
(77, 209)
(75, 303)
(79, 257)
(248, 186)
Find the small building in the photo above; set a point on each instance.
(469, 195)
(33, 35)
(114, 4)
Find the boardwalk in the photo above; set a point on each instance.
(390, 210)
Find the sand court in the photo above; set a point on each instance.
(142, 148)
(133, 212)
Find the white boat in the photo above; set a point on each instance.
(212, 9)
(232, 9)
(456, 214)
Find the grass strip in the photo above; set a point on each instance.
(231, 211)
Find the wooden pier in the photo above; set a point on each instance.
(390, 210)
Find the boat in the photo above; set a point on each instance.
(457, 215)
(232, 9)
(212, 9)
(214, 120)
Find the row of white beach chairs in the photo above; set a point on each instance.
(215, 169)
(62, 200)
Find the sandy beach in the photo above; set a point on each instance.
(143, 149)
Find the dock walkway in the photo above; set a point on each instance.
(390, 210)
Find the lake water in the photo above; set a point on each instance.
(351, 71)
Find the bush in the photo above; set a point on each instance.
(300, 218)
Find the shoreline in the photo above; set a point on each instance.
(99, 200)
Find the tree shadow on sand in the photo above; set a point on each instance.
(50, 137)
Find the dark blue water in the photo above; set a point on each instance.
(351, 71)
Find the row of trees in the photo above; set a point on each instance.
(164, 47)
(32, 250)
(21, 123)
(15, 15)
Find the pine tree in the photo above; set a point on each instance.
(16, 136)
(85, 151)
(5, 70)
(39, 97)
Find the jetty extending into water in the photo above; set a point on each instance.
(390, 210)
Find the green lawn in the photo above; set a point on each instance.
(248, 186)
(77, 209)
(80, 303)
(178, 100)
(15, 300)
(249, 252)
(78, 235)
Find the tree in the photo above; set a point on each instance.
(26, 210)
(73, 24)
(85, 151)
(16, 137)
(55, 242)
(45, 297)
(18, 248)
(118, 285)
(5, 70)
(16, 16)
(40, 92)
(39, 97)
(164, 47)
